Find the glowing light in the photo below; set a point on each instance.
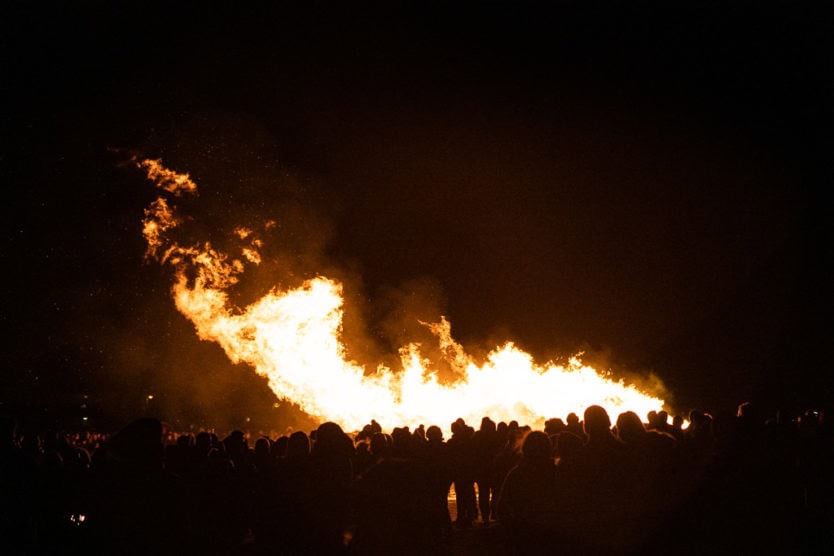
(167, 179)
(293, 338)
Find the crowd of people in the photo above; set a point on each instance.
(726, 484)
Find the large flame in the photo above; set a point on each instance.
(293, 338)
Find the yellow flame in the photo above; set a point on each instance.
(293, 338)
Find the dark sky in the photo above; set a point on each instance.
(644, 182)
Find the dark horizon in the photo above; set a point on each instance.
(645, 184)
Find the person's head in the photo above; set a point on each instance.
(567, 446)
(597, 421)
(236, 443)
(434, 434)
(185, 441)
(400, 441)
(536, 446)
(262, 447)
(331, 440)
(487, 425)
(298, 445)
(554, 426)
(279, 447)
(364, 434)
(629, 427)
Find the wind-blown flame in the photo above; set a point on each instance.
(166, 179)
(293, 338)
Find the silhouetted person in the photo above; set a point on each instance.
(294, 521)
(265, 507)
(526, 506)
(485, 447)
(461, 453)
(650, 487)
(568, 495)
(237, 447)
(438, 465)
(508, 456)
(554, 426)
(279, 447)
(420, 432)
(327, 497)
(574, 425)
(603, 465)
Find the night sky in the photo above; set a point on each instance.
(645, 183)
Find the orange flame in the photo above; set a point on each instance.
(168, 179)
(293, 338)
